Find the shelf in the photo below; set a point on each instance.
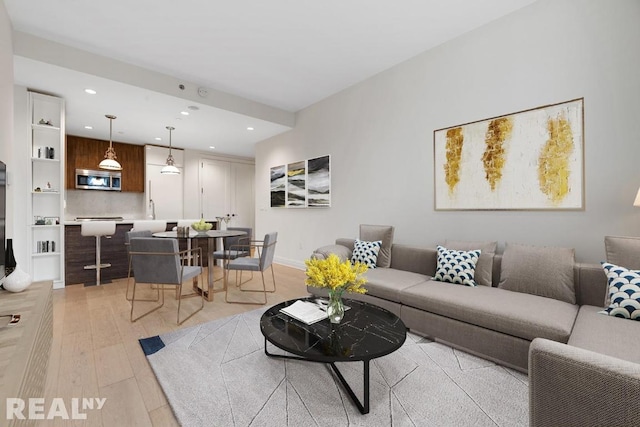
(37, 126)
(45, 226)
(45, 192)
(45, 254)
(43, 160)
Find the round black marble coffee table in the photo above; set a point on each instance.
(365, 333)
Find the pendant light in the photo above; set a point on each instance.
(170, 169)
(110, 159)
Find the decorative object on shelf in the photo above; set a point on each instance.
(532, 159)
(17, 281)
(338, 277)
(9, 258)
(45, 122)
(110, 159)
(170, 168)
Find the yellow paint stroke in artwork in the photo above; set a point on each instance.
(553, 162)
(493, 158)
(453, 155)
(295, 172)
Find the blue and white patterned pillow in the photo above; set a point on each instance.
(457, 266)
(624, 292)
(366, 252)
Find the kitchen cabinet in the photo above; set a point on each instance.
(46, 183)
(228, 188)
(87, 153)
(164, 193)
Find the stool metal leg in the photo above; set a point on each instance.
(98, 265)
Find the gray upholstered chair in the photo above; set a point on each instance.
(158, 261)
(265, 250)
(127, 239)
(241, 246)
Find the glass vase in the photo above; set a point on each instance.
(335, 309)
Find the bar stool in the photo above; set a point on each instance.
(153, 225)
(98, 229)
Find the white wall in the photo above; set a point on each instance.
(379, 133)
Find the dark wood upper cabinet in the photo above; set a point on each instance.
(87, 153)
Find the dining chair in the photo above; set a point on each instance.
(265, 250)
(127, 239)
(159, 261)
(241, 247)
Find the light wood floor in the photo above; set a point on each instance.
(96, 351)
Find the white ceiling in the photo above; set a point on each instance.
(286, 54)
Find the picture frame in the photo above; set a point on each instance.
(528, 160)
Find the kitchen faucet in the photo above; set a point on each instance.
(152, 206)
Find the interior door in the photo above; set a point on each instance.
(243, 195)
(214, 188)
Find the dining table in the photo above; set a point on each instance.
(212, 235)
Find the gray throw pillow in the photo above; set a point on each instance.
(484, 267)
(539, 270)
(372, 233)
(623, 251)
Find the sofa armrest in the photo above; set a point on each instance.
(343, 252)
(570, 386)
(591, 284)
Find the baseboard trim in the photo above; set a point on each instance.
(290, 263)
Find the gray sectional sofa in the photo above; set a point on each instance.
(579, 362)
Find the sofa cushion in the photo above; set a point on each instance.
(539, 270)
(606, 334)
(343, 252)
(366, 252)
(456, 267)
(624, 292)
(386, 283)
(513, 313)
(623, 251)
(372, 233)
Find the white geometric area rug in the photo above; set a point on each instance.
(217, 374)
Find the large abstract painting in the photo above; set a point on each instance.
(278, 186)
(527, 160)
(319, 182)
(297, 184)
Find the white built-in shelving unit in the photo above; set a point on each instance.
(47, 186)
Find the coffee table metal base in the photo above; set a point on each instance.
(363, 406)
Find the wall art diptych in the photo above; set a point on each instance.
(305, 183)
(319, 182)
(297, 184)
(528, 160)
(278, 186)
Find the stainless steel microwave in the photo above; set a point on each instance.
(98, 180)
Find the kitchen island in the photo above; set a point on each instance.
(81, 251)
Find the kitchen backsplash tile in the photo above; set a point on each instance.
(104, 203)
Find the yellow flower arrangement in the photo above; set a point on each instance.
(337, 276)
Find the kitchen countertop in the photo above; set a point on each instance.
(122, 221)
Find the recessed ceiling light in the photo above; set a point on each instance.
(184, 113)
(88, 127)
(212, 147)
(90, 91)
(157, 138)
(193, 108)
(249, 128)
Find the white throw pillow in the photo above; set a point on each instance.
(624, 291)
(457, 266)
(366, 252)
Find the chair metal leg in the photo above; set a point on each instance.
(133, 299)
(263, 290)
(200, 294)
